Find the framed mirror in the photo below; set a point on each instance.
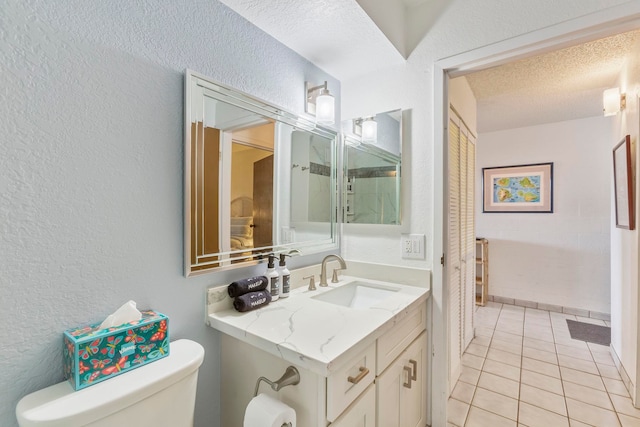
(258, 179)
(372, 169)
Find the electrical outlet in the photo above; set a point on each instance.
(413, 246)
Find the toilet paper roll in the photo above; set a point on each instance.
(265, 411)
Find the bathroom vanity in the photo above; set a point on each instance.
(360, 346)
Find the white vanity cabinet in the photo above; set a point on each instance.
(382, 385)
(402, 388)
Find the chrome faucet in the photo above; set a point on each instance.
(323, 270)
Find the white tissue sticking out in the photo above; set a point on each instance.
(125, 314)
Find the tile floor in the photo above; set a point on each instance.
(523, 369)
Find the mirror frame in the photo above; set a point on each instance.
(248, 102)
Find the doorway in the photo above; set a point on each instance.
(560, 36)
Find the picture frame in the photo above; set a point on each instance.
(623, 184)
(518, 189)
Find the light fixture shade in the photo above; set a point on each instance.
(369, 130)
(611, 101)
(325, 108)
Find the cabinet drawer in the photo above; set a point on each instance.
(394, 341)
(346, 384)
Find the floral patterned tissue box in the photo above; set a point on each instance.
(92, 355)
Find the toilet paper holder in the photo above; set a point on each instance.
(291, 376)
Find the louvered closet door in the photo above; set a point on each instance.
(470, 244)
(453, 255)
(461, 241)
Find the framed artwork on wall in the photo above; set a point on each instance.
(522, 188)
(623, 184)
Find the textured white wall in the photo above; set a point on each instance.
(91, 169)
(625, 297)
(560, 258)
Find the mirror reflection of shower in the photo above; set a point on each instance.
(372, 170)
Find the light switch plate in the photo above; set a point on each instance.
(413, 246)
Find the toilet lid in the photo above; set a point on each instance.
(60, 405)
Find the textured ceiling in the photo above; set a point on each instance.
(336, 35)
(339, 37)
(561, 85)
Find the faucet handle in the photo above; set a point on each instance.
(334, 278)
(312, 282)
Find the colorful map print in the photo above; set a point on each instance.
(516, 189)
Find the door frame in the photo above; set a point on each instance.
(617, 19)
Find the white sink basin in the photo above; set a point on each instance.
(357, 294)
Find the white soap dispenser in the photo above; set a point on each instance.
(285, 277)
(274, 278)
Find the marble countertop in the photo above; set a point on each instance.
(311, 333)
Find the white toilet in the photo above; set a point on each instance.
(161, 393)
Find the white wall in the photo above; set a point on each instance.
(560, 258)
(458, 27)
(91, 169)
(625, 298)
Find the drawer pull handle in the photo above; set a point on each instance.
(363, 373)
(408, 383)
(414, 375)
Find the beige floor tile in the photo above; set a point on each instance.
(499, 384)
(506, 336)
(602, 358)
(484, 331)
(481, 418)
(539, 335)
(623, 405)
(597, 348)
(457, 412)
(543, 356)
(580, 365)
(543, 399)
(463, 392)
(582, 378)
(512, 328)
(574, 423)
(504, 357)
(578, 353)
(569, 342)
(469, 375)
(501, 369)
(608, 371)
(533, 416)
(587, 395)
(481, 340)
(496, 403)
(472, 361)
(540, 367)
(510, 347)
(539, 345)
(592, 415)
(544, 382)
(477, 350)
(628, 421)
(615, 387)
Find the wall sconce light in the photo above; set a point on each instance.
(320, 103)
(613, 102)
(367, 129)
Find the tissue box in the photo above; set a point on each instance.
(92, 355)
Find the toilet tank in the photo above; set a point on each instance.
(161, 393)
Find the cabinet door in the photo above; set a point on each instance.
(402, 400)
(362, 413)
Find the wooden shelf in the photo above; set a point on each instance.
(482, 271)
